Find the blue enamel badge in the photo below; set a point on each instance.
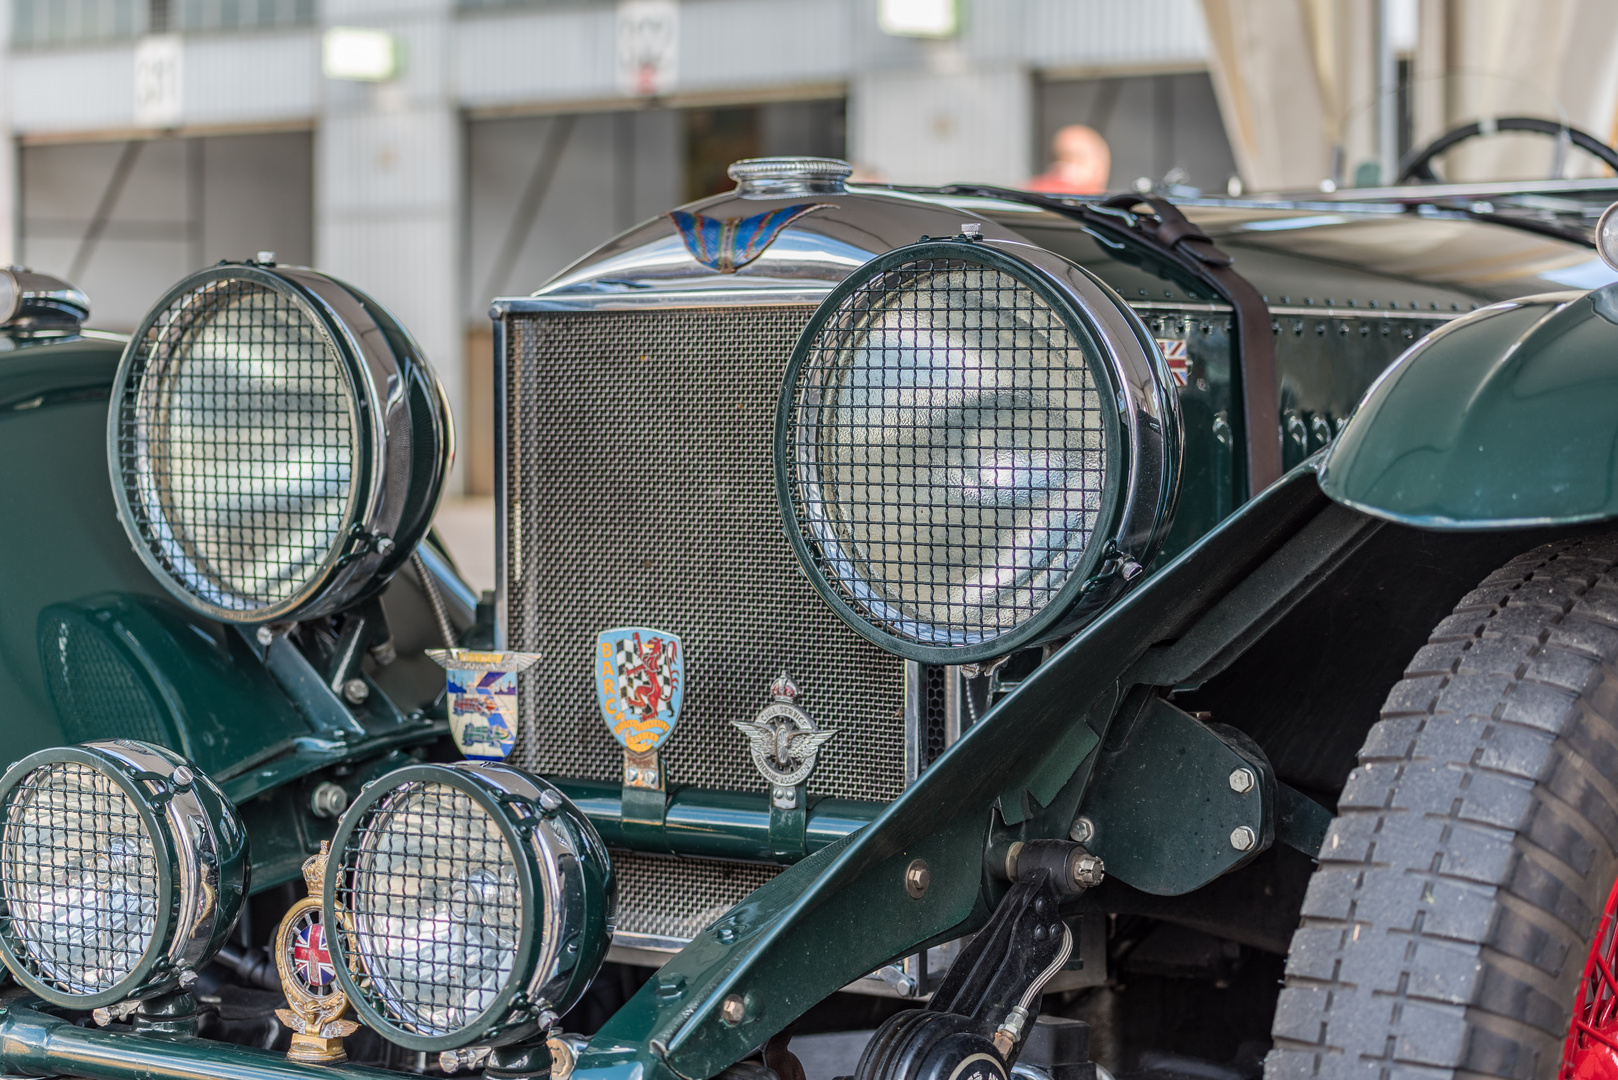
(482, 699)
(728, 244)
(640, 682)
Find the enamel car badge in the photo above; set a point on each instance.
(483, 699)
(640, 683)
(785, 742)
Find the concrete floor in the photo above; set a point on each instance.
(465, 523)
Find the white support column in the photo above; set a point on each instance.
(388, 183)
(920, 127)
(925, 111)
(8, 147)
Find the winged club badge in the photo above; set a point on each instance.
(785, 741)
(640, 683)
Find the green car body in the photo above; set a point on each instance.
(1423, 444)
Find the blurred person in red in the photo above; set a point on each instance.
(1083, 163)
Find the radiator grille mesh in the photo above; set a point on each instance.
(641, 492)
(679, 898)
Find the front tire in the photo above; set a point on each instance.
(1448, 929)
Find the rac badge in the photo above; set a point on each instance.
(315, 1005)
(785, 742)
(640, 683)
(482, 699)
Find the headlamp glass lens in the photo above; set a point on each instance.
(237, 444)
(949, 451)
(80, 877)
(432, 893)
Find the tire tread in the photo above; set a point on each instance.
(1446, 926)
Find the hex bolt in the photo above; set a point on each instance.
(1083, 830)
(181, 776)
(265, 635)
(328, 800)
(733, 1010)
(1243, 838)
(1242, 781)
(355, 691)
(917, 878)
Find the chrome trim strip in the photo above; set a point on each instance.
(497, 312)
(658, 299)
(1168, 307)
(915, 736)
(954, 705)
(1293, 312)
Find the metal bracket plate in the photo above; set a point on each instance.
(1170, 800)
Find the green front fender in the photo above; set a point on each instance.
(1505, 418)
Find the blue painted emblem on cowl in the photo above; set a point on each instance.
(728, 244)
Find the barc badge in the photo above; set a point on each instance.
(482, 699)
(640, 683)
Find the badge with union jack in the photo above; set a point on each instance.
(311, 961)
(640, 683)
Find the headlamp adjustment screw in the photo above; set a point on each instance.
(733, 1010)
(182, 776)
(917, 878)
(550, 801)
(384, 545)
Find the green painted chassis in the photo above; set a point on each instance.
(1284, 624)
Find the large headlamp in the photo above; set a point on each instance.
(277, 443)
(122, 869)
(472, 903)
(977, 447)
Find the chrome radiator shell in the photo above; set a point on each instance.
(888, 713)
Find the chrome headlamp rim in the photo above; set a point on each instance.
(539, 827)
(1143, 440)
(202, 874)
(394, 401)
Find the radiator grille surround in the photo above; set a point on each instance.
(640, 491)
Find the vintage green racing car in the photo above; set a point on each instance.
(1175, 637)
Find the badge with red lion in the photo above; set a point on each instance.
(640, 681)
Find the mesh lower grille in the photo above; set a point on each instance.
(679, 898)
(97, 691)
(642, 492)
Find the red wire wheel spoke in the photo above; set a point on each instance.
(1591, 1051)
